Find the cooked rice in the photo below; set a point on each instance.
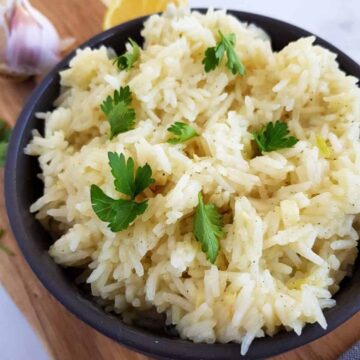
(290, 214)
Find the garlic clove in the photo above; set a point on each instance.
(5, 70)
(6, 7)
(30, 44)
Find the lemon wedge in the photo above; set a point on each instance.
(120, 11)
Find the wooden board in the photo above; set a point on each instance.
(65, 337)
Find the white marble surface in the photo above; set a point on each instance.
(337, 21)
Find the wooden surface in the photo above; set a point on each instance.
(65, 337)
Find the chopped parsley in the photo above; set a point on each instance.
(127, 60)
(214, 55)
(117, 109)
(120, 213)
(182, 132)
(274, 136)
(123, 173)
(208, 228)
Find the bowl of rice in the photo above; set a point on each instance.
(188, 184)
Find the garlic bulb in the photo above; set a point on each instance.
(29, 43)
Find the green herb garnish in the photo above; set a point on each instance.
(208, 228)
(117, 109)
(274, 136)
(214, 55)
(127, 60)
(5, 133)
(182, 132)
(120, 213)
(3, 247)
(123, 173)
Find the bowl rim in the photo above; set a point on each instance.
(136, 338)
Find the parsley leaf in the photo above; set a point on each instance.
(214, 55)
(120, 213)
(5, 133)
(123, 173)
(118, 112)
(274, 136)
(143, 179)
(208, 228)
(211, 60)
(182, 132)
(127, 60)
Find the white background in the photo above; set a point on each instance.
(337, 21)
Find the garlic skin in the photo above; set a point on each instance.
(29, 43)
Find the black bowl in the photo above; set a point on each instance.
(22, 188)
